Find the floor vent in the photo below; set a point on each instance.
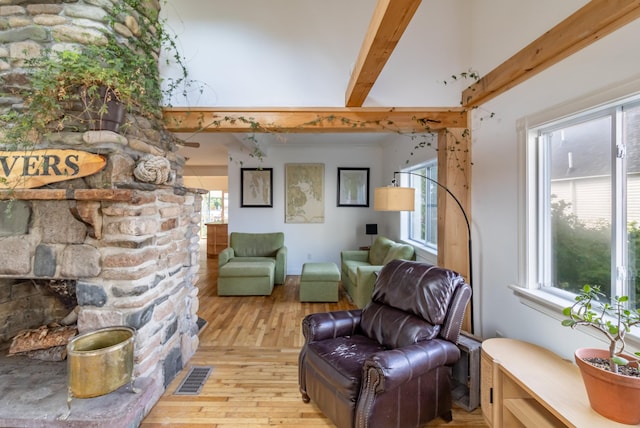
(193, 382)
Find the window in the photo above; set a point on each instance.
(214, 209)
(587, 199)
(423, 222)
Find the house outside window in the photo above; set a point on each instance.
(423, 221)
(587, 201)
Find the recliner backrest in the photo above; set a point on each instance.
(411, 302)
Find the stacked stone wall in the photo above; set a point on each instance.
(131, 245)
(135, 262)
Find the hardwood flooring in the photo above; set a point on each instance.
(252, 343)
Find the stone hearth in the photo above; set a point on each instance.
(35, 395)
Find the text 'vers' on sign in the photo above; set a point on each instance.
(34, 168)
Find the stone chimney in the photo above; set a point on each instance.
(130, 244)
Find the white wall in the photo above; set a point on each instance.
(496, 188)
(343, 227)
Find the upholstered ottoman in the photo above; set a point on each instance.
(319, 282)
(253, 278)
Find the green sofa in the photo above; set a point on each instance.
(359, 267)
(264, 249)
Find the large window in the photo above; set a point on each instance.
(588, 201)
(423, 221)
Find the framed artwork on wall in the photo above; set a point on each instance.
(304, 191)
(256, 187)
(353, 187)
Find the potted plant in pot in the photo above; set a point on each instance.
(611, 378)
(93, 86)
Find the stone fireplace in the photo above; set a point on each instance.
(125, 248)
(139, 270)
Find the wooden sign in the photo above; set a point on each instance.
(35, 168)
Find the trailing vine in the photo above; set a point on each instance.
(422, 138)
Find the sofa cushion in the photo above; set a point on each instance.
(256, 244)
(379, 250)
(399, 251)
(339, 362)
(253, 259)
(395, 328)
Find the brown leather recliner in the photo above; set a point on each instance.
(389, 364)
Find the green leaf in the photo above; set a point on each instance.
(620, 360)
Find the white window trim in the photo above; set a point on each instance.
(548, 301)
(422, 251)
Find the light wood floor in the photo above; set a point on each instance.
(252, 343)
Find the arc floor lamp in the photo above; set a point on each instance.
(396, 198)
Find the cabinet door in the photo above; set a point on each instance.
(486, 388)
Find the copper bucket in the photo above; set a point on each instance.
(100, 361)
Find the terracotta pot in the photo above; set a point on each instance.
(614, 396)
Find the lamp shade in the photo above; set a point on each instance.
(394, 198)
(371, 229)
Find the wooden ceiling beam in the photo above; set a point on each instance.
(588, 24)
(389, 20)
(316, 120)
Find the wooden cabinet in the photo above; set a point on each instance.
(524, 385)
(217, 238)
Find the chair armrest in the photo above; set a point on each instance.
(358, 255)
(281, 257)
(225, 255)
(366, 279)
(387, 370)
(328, 325)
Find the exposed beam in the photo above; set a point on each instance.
(588, 24)
(316, 120)
(388, 22)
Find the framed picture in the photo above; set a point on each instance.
(256, 187)
(353, 187)
(304, 193)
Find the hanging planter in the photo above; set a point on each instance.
(102, 110)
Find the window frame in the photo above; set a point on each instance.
(408, 180)
(548, 300)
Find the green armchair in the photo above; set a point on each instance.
(258, 247)
(359, 267)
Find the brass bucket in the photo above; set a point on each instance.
(100, 361)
